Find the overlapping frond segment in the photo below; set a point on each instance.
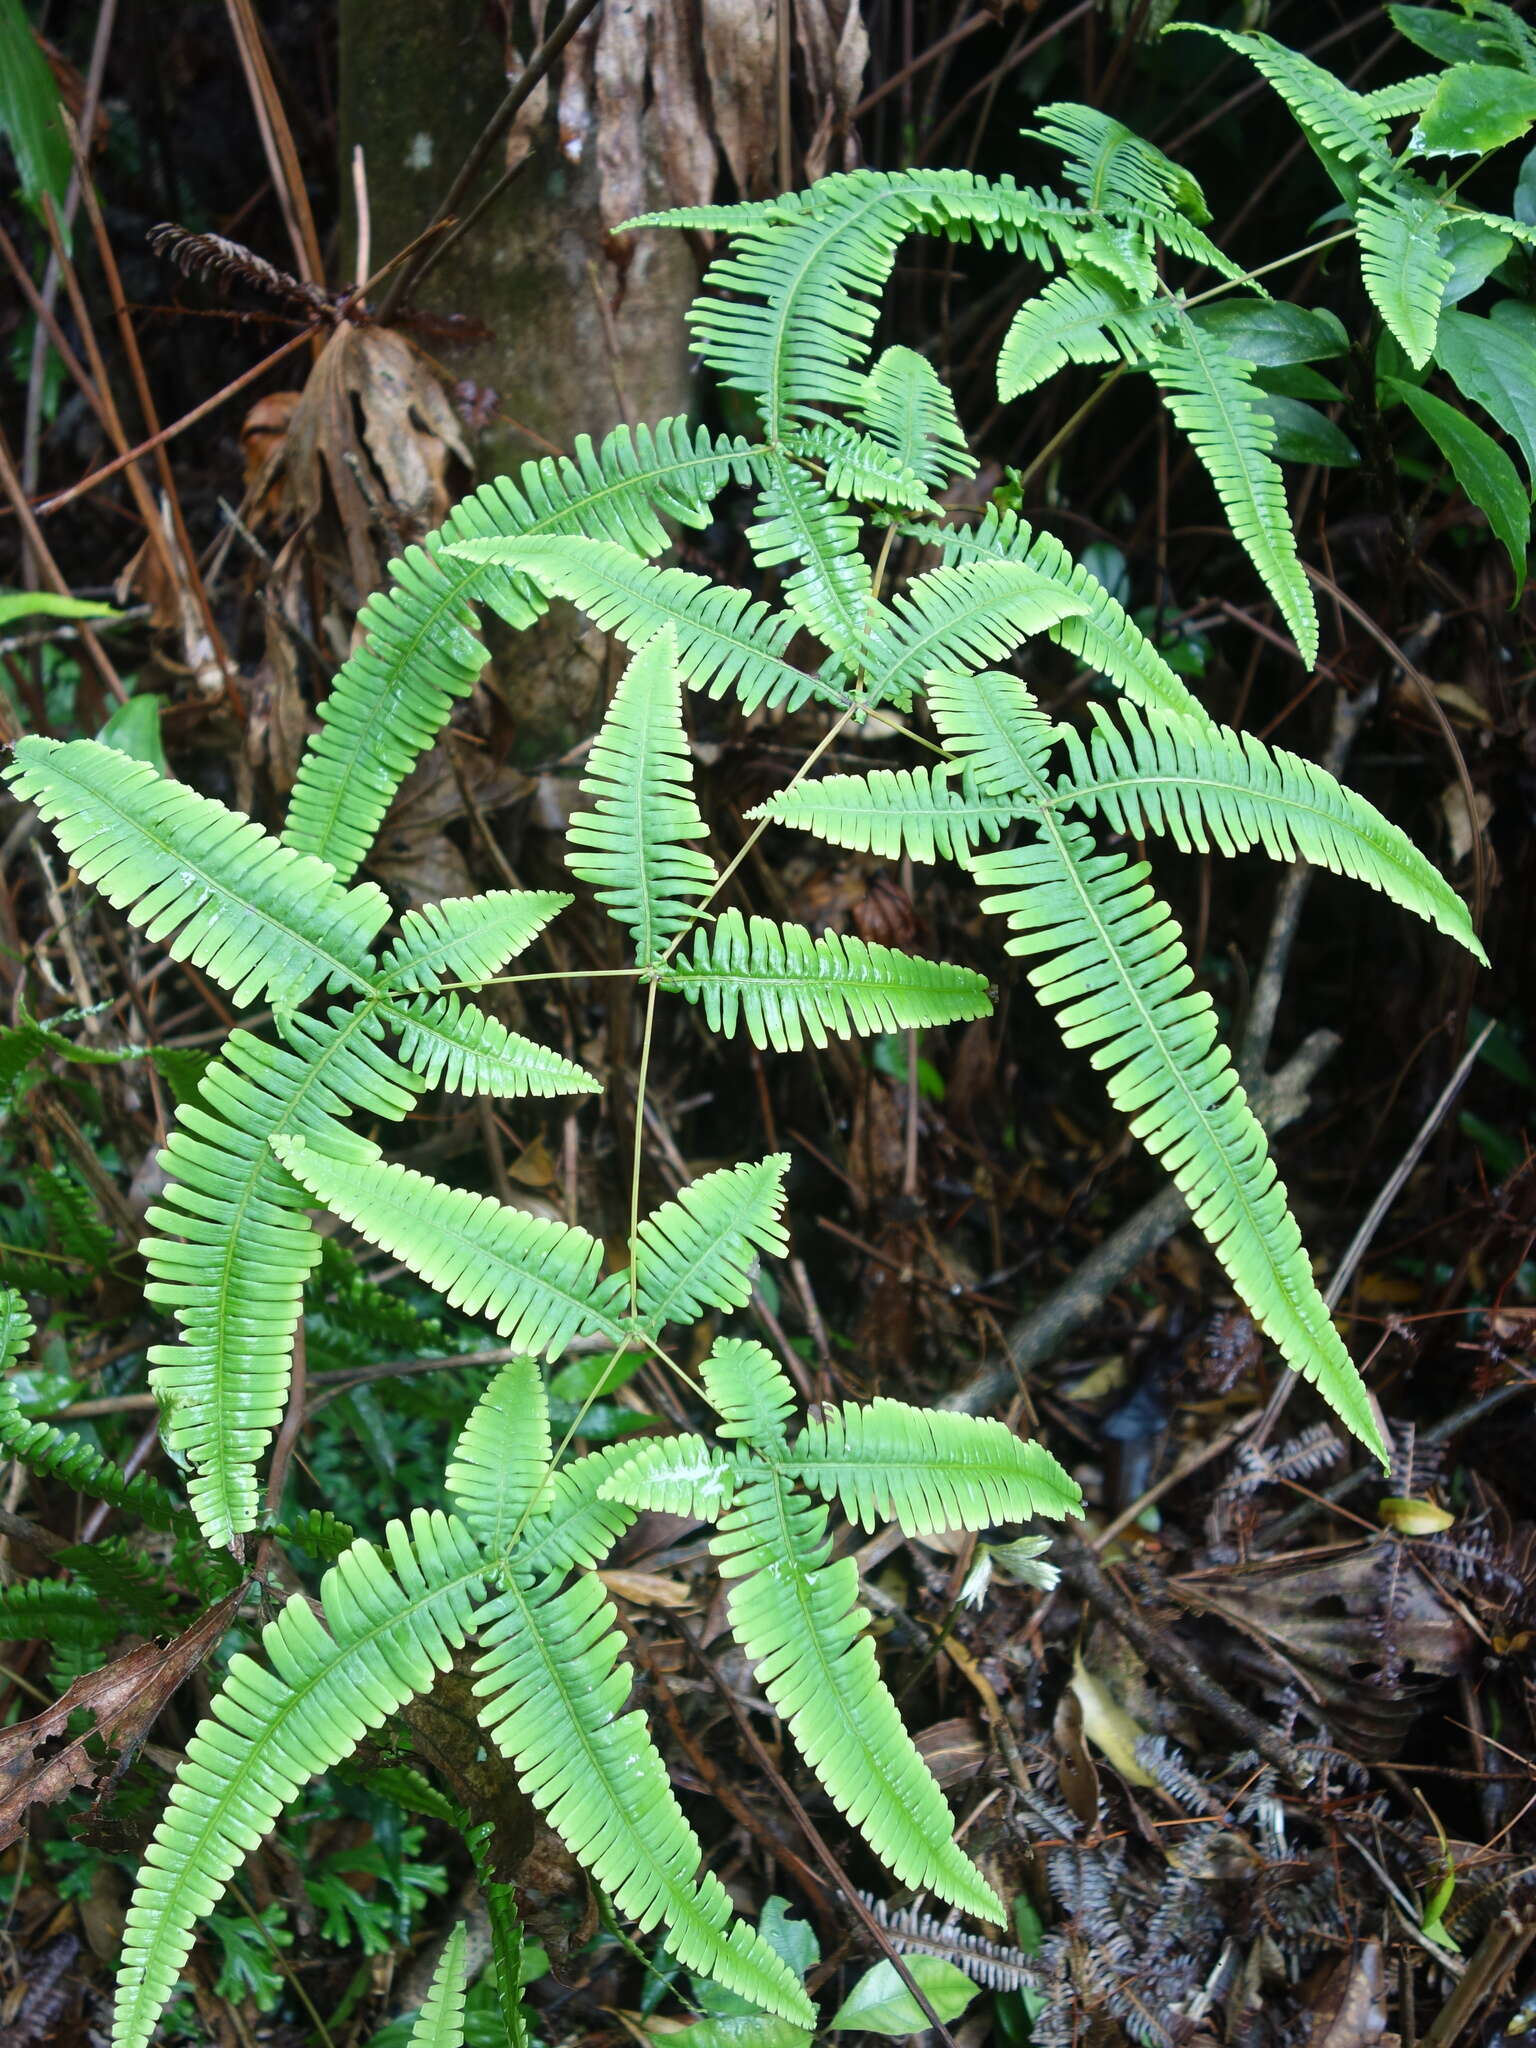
(501, 1460)
(830, 587)
(582, 1525)
(857, 467)
(749, 1390)
(1115, 967)
(675, 1475)
(1405, 266)
(1162, 775)
(972, 612)
(452, 1044)
(926, 813)
(1335, 120)
(230, 1245)
(1102, 635)
(390, 699)
(726, 638)
(553, 1689)
(786, 987)
(1084, 316)
(1114, 170)
(993, 723)
(908, 409)
(467, 939)
(440, 2022)
(201, 880)
(701, 1250)
(391, 1623)
(1216, 403)
(633, 845)
(926, 1469)
(798, 1618)
(536, 1280)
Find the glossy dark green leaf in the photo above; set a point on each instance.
(1447, 36)
(1268, 332)
(881, 2004)
(1496, 368)
(29, 112)
(1476, 251)
(1303, 434)
(1479, 465)
(1476, 108)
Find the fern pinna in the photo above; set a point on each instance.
(853, 447)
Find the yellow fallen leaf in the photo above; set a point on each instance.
(1107, 1725)
(1411, 1517)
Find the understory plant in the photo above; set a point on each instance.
(920, 618)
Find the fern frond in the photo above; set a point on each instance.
(1078, 318)
(908, 409)
(926, 1469)
(1405, 267)
(1216, 403)
(798, 1618)
(389, 700)
(726, 638)
(993, 723)
(701, 1250)
(1326, 111)
(856, 466)
(452, 1044)
(467, 939)
(552, 1688)
(1114, 170)
(1114, 958)
(632, 845)
(48, 1611)
(391, 1623)
(749, 1390)
(831, 589)
(975, 612)
(536, 1280)
(786, 987)
(919, 812)
(1160, 775)
(200, 879)
(675, 1475)
(231, 1245)
(582, 1524)
(1407, 96)
(1103, 635)
(501, 1460)
(318, 1533)
(440, 2022)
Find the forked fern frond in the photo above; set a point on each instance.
(749, 1390)
(907, 408)
(390, 699)
(1200, 786)
(920, 812)
(703, 1247)
(974, 612)
(786, 987)
(632, 846)
(857, 467)
(231, 1247)
(467, 939)
(998, 730)
(536, 1280)
(1113, 957)
(1215, 402)
(553, 1690)
(1405, 266)
(203, 881)
(925, 1469)
(452, 1044)
(391, 1623)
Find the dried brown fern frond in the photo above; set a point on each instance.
(222, 262)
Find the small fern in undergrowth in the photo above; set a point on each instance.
(853, 452)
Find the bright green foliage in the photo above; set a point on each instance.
(748, 1391)
(702, 1248)
(1082, 317)
(440, 2023)
(468, 939)
(786, 987)
(450, 1044)
(632, 846)
(831, 587)
(907, 409)
(502, 1457)
(974, 612)
(1406, 267)
(924, 813)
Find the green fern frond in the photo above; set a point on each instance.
(1199, 786)
(857, 467)
(974, 612)
(994, 724)
(1405, 267)
(391, 698)
(318, 1533)
(391, 1623)
(440, 2022)
(908, 409)
(536, 1280)
(831, 587)
(925, 1469)
(1337, 121)
(582, 1524)
(786, 987)
(919, 812)
(1103, 635)
(48, 1611)
(675, 1475)
(1215, 402)
(1078, 318)
(1114, 170)
(798, 1618)
(726, 638)
(1123, 254)
(1407, 96)
(200, 879)
(467, 939)
(1114, 958)
(701, 1250)
(230, 1246)
(552, 1689)
(501, 1460)
(632, 845)
(506, 1936)
(749, 1390)
(451, 1044)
